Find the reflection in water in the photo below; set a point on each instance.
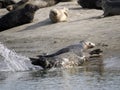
(96, 65)
(91, 76)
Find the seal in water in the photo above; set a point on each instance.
(72, 55)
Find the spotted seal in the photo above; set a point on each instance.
(72, 55)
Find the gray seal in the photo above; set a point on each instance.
(111, 7)
(5, 3)
(39, 3)
(18, 17)
(90, 4)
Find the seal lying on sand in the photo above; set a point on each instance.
(22, 3)
(58, 15)
(66, 0)
(111, 7)
(39, 3)
(73, 55)
(90, 4)
(5, 3)
(18, 17)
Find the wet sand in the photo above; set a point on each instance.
(42, 36)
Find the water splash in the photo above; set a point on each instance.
(14, 61)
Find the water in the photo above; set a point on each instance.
(102, 74)
(66, 79)
(13, 61)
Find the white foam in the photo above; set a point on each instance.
(14, 61)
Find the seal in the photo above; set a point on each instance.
(39, 3)
(111, 7)
(58, 15)
(66, 0)
(5, 3)
(72, 55)
(18, 5)
(94, 4)
(18, 17)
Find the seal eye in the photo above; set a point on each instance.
(91, 45)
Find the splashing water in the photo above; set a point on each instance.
(14, 61)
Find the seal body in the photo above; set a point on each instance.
(73, 55)
(21, 4)
(111, 7)
(5, 3)
(90, 4)
(58, 15)
(66, 0)
(18, 17)
(39, 3)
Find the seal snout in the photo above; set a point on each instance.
(91, 45)
(88, 44)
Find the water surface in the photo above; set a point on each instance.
(100, 75)
(17, 73)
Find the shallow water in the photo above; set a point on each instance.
(11, 61)
(100, 75)
(97, 74)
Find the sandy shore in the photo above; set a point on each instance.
(42, 36)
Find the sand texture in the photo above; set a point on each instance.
(42, 36)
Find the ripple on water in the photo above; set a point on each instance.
(112, 63)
